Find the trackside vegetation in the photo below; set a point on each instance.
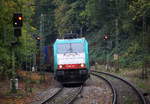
(125, 22)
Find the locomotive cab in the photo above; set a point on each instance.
(71, 62)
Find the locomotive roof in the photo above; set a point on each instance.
(70, 40)
(73, 39)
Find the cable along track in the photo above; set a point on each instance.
(64, 96)
(126, 92)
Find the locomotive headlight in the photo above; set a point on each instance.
(60, 66)
(82, 65)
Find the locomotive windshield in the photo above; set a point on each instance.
(70, 48)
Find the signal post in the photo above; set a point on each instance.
(17, 20)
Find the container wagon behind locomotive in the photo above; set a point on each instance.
(44, 60)
(71, 60)
(48, 58)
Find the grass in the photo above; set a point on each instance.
(143, 84)
(133, 75)
(23, 95)
(128, 100)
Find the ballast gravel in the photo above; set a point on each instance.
(96, 91)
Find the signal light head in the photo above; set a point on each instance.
(20, 18)
(106, 37)
(38, 38)
(17, 20)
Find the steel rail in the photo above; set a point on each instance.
(75, 96)
(51, 97)
(69, 100)
(114, 100)
(128, 83)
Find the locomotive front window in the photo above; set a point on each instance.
(70, 48)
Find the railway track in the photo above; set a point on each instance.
(64, 96)
(114, 100)
(127, 93)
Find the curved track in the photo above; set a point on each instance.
(64, 96)
(126, 92)
(114, 100)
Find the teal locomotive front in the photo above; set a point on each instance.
(71, 60)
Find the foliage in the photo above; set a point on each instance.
(129, 37)
(133, 38)
(43, 20)
(7, 8)
(69, 16)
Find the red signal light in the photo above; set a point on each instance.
(106, 37)
(38, 38)
(20, 18)
(17, 20)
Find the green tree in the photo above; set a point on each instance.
(7, 8)
(69, 16)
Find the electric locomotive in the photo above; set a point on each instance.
(71, 60)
